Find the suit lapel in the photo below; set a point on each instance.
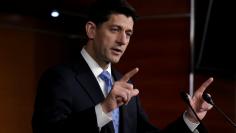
(86, 78)
(88, 81)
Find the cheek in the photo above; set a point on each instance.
(125, 46)
(105, 39)
(109, 39)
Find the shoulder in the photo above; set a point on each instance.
(60, 69)
(58, 72)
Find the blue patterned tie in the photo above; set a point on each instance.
(106, 77)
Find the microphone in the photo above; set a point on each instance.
(185, 98)
(209, 100)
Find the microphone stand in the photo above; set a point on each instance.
(185, 98)
(209, 100)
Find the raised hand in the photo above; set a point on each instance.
(199, 105)
(121, 92)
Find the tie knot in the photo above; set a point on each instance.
(105, 75)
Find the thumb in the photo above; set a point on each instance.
(134, 92)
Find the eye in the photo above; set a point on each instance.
(129, 34)
(115, 29)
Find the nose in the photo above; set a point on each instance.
(123, 39)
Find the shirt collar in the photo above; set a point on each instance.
(96, 69)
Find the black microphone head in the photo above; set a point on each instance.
(207, 98)
(184, 96)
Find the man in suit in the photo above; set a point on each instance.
(72, 98)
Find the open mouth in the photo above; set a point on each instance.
(117, 51)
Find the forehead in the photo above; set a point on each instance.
(121, 20)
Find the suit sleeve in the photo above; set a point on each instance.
(53, 111)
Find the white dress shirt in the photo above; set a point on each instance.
(102, 118)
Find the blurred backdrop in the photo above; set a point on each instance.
(31, 40)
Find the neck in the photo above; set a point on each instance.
(102, 64)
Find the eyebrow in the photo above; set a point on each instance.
(120, 27)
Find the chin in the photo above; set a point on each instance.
(115, 61)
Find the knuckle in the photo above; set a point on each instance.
(131, 85)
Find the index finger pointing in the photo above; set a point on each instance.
(129, 74)
(205, 85)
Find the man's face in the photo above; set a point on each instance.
(112, 38)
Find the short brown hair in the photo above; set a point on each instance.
(101, 10)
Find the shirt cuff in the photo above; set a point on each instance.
(192, 126)
(102, 117)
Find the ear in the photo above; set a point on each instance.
(90, 29)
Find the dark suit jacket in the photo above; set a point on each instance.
(65, 101)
